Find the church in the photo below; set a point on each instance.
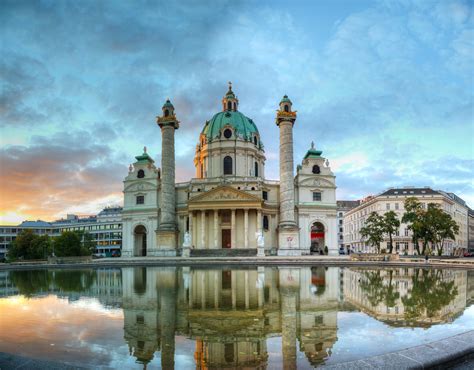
(222, 210)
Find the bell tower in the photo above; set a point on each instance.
(167, 230)
(288, 231)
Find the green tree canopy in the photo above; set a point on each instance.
(28, 246)
(70, 243)
(373, 230)
(390, 225)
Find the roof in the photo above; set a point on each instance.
(349, 204)
(144, 158)
(410, 191)
(312, 152)
(38, 223)
(168, 104)
(243, 126)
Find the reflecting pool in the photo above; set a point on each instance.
(265, 317)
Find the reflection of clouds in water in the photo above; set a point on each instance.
(54, 328)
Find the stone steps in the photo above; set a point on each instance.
(223, 252)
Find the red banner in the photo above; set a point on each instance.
(317, 235)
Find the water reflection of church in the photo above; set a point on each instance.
(230, 314)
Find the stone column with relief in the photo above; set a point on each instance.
(288, 231)
(167, 233)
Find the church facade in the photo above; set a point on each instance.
(229, 201)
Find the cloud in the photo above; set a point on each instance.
(63, 172)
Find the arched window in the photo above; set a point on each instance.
(256, 169)
(228, 165)
(286, 108)
(141, 174)
(229, 105)
(167, 112)
(235, 106)
(316, 169)
(255, 140)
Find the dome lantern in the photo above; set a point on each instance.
(230, 101)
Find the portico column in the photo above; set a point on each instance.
(216, 225)
(203, 227)
(246, 228)
(232, 225)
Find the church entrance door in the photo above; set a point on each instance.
(226, 238)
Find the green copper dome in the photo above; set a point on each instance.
(242, 126)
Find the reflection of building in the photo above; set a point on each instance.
(393, 200)
(231, 313)
(229, 199)
(406, 296)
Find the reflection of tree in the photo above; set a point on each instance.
(31, 282)
(74, 280)
(376, 291)
(429, 294)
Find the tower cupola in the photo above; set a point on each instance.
(168, 118)
(230, 101)
(285, 104)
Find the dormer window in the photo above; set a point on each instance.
(141, 174)
(227, 133)
(316, 169)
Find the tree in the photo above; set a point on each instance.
(373, 230)
(440, 226)
(88, 243)
(68, 244)
(28, 245)
(391, 223)
(413, 217)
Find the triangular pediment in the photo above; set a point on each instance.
(224, 194)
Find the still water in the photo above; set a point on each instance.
(266, 317)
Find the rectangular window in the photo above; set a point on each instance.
(340, 222)
(387, 205)
(406, 232)
(396, 206)
(140, 199)
(340, 229)
(265, 195)
(316, 196)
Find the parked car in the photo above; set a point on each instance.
(116, 254)
(468, 254)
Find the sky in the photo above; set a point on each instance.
(384, 88)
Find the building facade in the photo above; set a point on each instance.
(105, 228)
(393, 200)
(229, 200)
(342, 207)
(470, 230)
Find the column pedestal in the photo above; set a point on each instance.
(166, 241)
(288, 242)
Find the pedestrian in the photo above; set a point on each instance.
(426, 258)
